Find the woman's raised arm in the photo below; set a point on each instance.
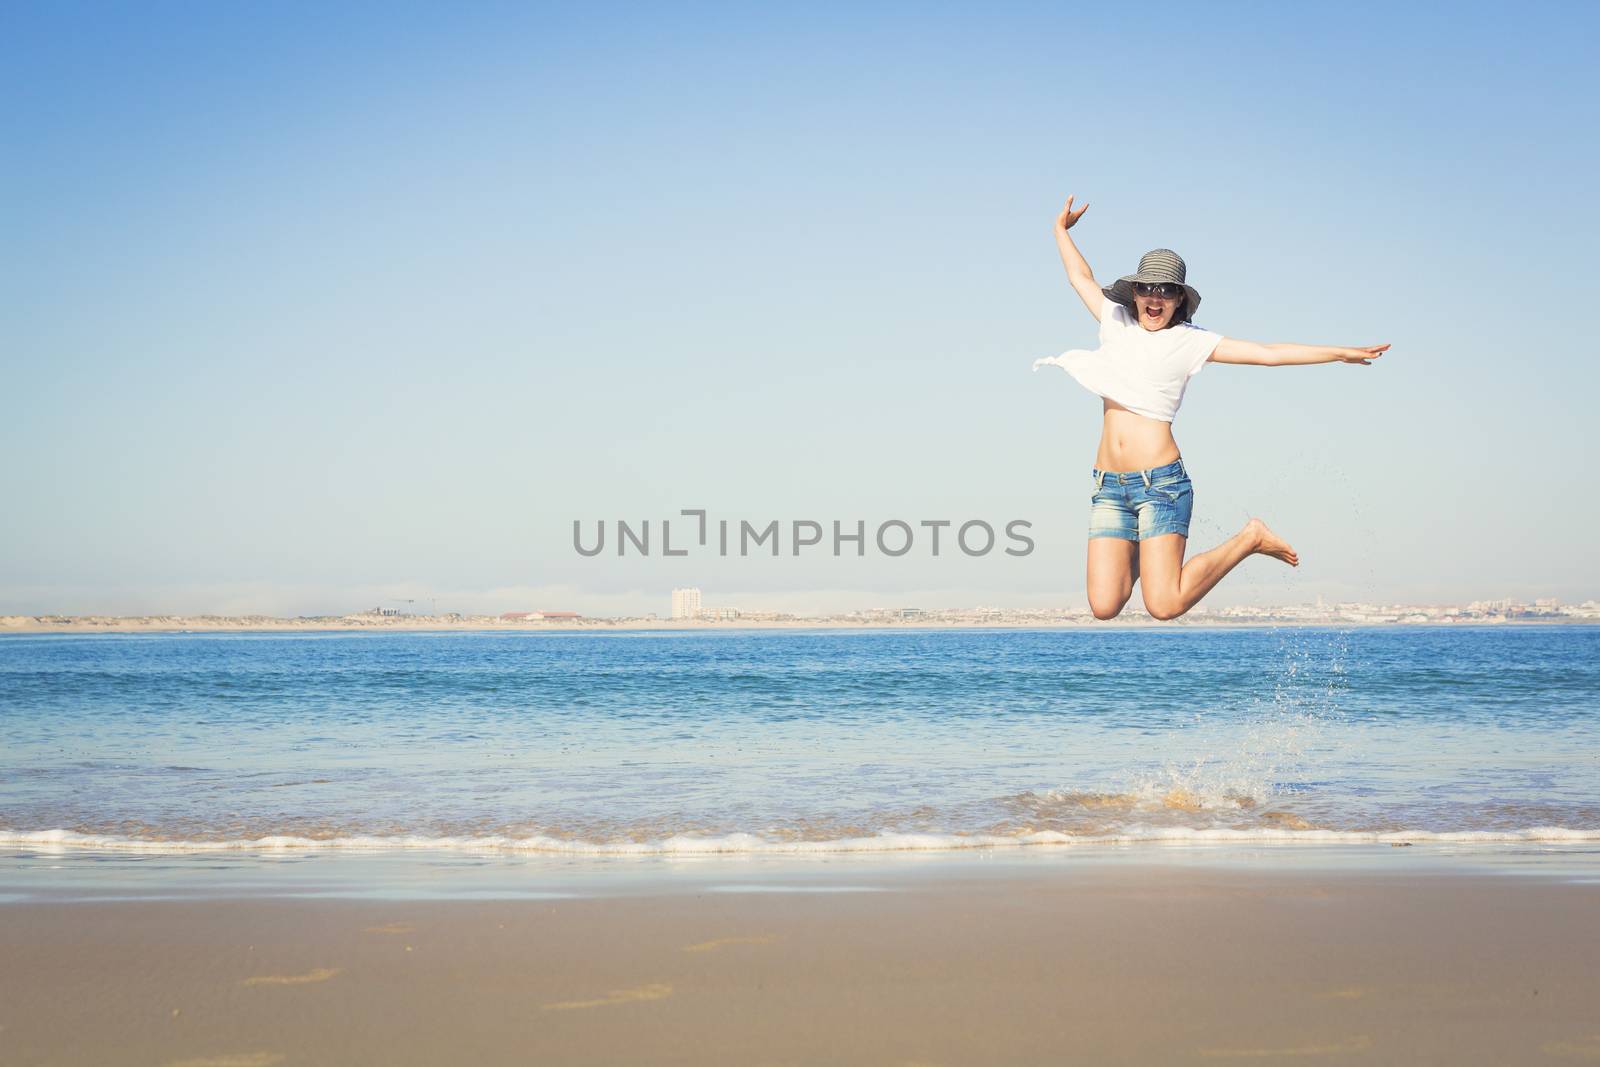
(1078, 271)
(1254, 353)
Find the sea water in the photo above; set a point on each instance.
(798, 741)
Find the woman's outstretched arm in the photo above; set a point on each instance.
(1078, 271)
(1254, 353)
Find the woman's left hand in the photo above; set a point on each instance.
(1363, 356)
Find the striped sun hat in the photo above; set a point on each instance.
(1157, 265)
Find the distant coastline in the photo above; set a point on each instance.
(70, 624)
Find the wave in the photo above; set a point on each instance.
(747, 844)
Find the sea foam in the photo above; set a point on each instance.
(742, 844)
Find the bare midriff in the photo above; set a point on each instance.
(1130, 442)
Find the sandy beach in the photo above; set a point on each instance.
(1076, 964)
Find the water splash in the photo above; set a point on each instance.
(1260, 752)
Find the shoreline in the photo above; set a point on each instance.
(198, 624)
(53, 873)
(742, 845)
(1095, 963)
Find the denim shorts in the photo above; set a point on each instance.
(1136, 505)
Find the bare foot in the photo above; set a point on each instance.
(1270, 544)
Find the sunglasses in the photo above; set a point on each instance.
(1162, 289)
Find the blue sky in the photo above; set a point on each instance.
(313, 307)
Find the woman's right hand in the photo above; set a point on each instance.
(1068, 217)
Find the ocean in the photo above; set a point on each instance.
(738, 742)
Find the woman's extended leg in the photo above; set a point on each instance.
(1113, 567)
(1172, 587)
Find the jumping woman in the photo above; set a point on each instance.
(1149, 349)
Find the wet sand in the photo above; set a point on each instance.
(1115, 964)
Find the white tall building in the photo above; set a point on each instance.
(686, 603)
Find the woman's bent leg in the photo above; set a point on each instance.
(1113, 565)
(1172, 587)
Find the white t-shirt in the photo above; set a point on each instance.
(1146, 371)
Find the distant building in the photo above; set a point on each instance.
(539, 616)
(686, 603)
